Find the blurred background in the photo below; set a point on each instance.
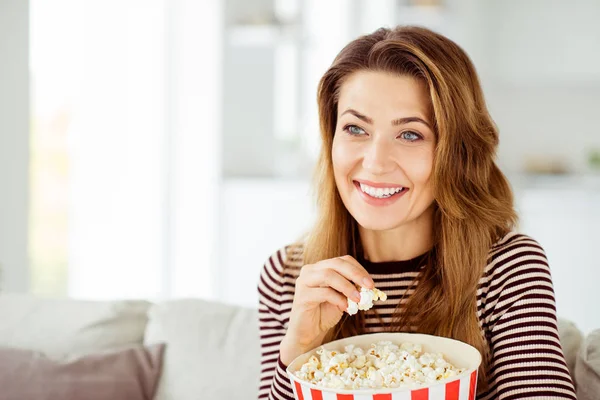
(163, 148)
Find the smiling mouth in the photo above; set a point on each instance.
(380, 193)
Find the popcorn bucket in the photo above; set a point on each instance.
(459, 387)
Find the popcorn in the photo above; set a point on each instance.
(367, 297)
(384, 365)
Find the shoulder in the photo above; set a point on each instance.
(286, 257)
(517, 270)
(514, 240)
(293, 257)
(515, 252)
(277, 281)
(281, 268)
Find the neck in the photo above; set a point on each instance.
(404, 242)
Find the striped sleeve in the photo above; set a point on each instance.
(527, 358)
(274, 383)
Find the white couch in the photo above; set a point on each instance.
(212, 349)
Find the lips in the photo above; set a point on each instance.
(380, 195)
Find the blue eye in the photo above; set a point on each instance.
(354, 130)
(410, 136)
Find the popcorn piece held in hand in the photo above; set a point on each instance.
(352, 307)
(367, 297)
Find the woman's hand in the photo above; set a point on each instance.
(321, 297)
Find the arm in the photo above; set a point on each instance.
(527, 358)
(274, 383)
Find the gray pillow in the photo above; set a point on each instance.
(570, 340)
(131, 373)
(214, 350)
(587, 368)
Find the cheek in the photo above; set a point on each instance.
(419, 170)
(422, 165)
(422, 171)
(342, 160)
(426, 185)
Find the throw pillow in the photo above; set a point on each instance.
(587, 368)
(214, 350)
(130, 373)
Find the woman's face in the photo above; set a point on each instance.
(383, 149)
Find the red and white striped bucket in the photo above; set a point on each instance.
(461, 387)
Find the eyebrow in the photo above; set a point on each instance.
(396, 122)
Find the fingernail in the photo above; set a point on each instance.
(356, 296)
(368, 282)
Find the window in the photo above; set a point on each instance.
(121, 106)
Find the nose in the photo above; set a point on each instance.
(378, 158)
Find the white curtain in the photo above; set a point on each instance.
(144, 142)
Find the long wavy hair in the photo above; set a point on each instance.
(473, 202)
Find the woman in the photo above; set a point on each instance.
(411, 202)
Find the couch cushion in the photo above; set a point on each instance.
(570, 340)
(127, 374)
(64, 326)
(587, 368)
(212, 350)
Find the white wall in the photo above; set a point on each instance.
(258, 217)
(248, 145)
(544, 41)
(560, 121)
(14, 144)
(541, 69)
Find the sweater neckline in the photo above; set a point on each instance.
(391, 267)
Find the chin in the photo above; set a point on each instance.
(378, 223)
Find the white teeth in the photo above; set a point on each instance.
(379, 192)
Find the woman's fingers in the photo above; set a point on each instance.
(321, 295)
(349, 268)
(328, 277)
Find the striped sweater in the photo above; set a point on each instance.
(515, 308)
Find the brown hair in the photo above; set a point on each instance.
(473, 200)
